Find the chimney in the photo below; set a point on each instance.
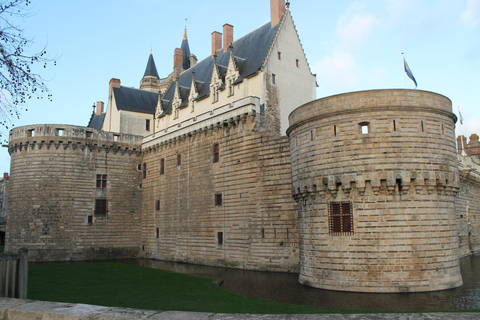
(277, 9)
(99, 107)
(178, 61)
(5, 176)
(216, 42)
(114, 83)
(193, 60)
(227, 36)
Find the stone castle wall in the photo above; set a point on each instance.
(53, 193)
(254, 226)
(467, 206)
(388, 158)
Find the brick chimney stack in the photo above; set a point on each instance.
(178, 61)
(216, 42)
(99, 107)
(114, 83)
(5, 176)
(227, 36)
(277, 9)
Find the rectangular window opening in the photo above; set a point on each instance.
(144, 170)
(334, 130)
(274, 78)
(31, 133)
(216, 152)
(218, 199)
(101, 180)
(157, 205)
(394, 126)
(220, 238)
(100, 207)
(297, 63)
(59, 132)
(157, 233)
(279, 55)
(90, 219)
(423, 129)
(162, 166)
(115, 138)
(340, 218)
(147, 124)
(179, 159)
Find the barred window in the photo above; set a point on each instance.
(100, 207)
(340, 218)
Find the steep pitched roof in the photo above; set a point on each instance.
(151, 69)
(136, 100)
(250, 52)
(96, 121)
(185, 51)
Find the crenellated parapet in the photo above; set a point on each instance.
(48, 136)
(385, 183)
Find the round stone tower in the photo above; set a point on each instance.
(375, 174)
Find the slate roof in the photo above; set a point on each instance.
(186, 54)
(250, 52)
(151, 69)
(96, 121)
(131, 99)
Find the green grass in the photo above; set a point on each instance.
(123, 285)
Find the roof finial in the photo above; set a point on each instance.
(287, 4)
(185, 33)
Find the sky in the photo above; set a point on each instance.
(350, 45)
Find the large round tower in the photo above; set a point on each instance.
(375, 175)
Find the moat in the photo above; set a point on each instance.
(285, 288)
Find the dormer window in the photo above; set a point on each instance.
(215, 94)
(231, 87)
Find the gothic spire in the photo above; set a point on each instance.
(185, 50)
(151, 69)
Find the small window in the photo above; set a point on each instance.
(279, 55)
(422, 126)
(218, 200)
(157, 233)
(100, 207)
(162, 166)
(394, 125)
(31, 133)
(147, 124)
(334, 130)
(220, 238)
(144, 170)
(139, 167)
(90, 219)
(88, 134)
(364, 127)
(179, 159)
(216, 152)
(263, 233)
(340, 218)
(115, 138)
(274, 78)
(231, 87)
(297, 63)
(59, 132)
(157, 205)
(101, 180)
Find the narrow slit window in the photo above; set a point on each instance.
(423, 128)
(147, 124)
(162, 166)
(220, 238)
(394, 126)
(179, 159)
(157, 205)
(279, 55)
(274, 78)
(297, 63)
(157, 233)
(144, 170)
(334, 130)
(216, 152)
(218, 199)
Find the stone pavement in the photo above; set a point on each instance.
(28, 309)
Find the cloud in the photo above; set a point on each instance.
(336, 72)
(354, 28)
(471, 15)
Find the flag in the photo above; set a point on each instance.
(409, 72)
(461, 118)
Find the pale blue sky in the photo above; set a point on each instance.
(350, 45)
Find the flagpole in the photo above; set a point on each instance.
(404, 74)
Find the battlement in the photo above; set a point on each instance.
(70, 136)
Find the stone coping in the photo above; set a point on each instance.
(29, 309)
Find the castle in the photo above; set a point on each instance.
(230, 161)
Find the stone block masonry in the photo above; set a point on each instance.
(375, 174)
(221, 196)
(55, 198)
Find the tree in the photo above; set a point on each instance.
(18, 83)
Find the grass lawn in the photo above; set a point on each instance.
(123, 285)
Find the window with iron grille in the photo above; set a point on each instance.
(100, 207)
(101, 180)
(340, 218)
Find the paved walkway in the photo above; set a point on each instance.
(28, 309)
